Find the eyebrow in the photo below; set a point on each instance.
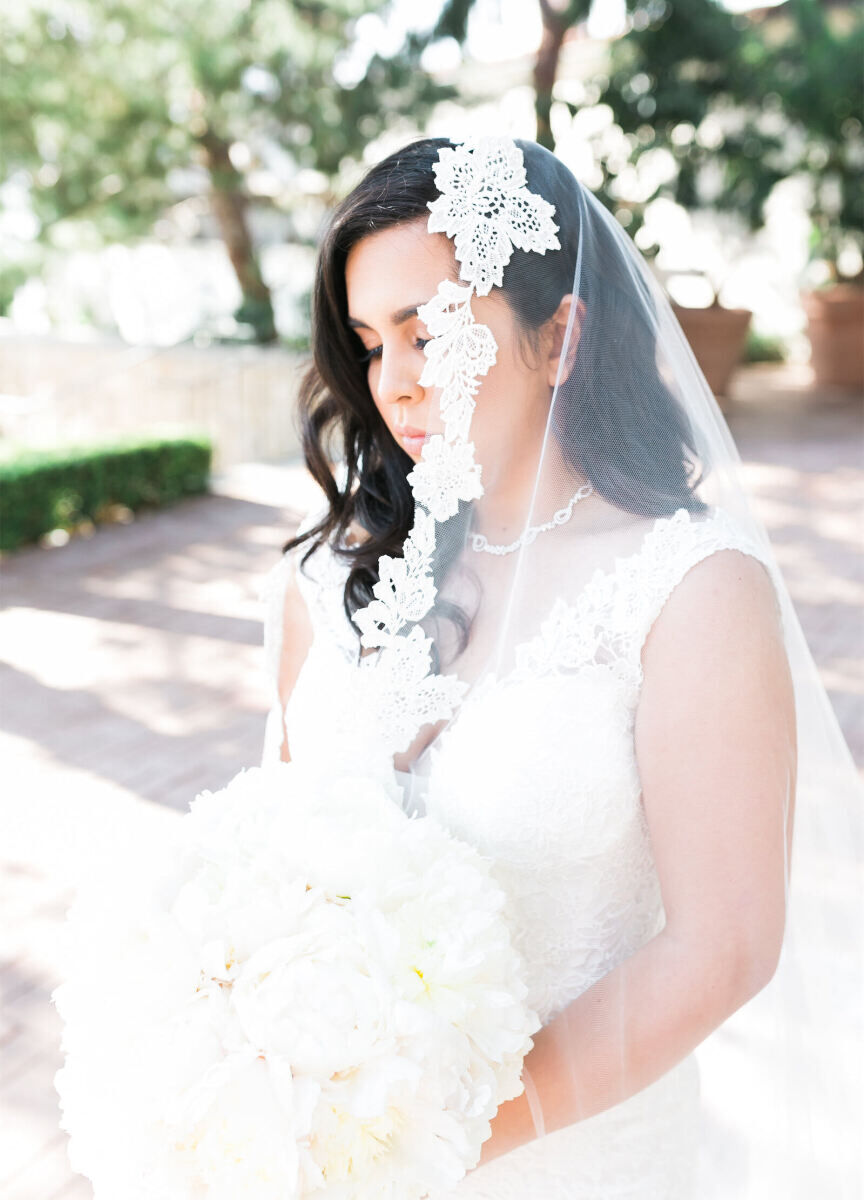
(398, 318)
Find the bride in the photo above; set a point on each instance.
(535, 595)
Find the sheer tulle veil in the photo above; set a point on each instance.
(624, 448)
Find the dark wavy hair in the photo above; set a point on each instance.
(603, 435)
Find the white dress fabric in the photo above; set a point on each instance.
(574, 857)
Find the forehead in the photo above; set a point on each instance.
(384, 267)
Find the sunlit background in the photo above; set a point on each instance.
(174, 282)
(165, 171)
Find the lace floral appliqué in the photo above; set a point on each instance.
(485, 205)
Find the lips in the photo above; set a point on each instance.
(413, 440)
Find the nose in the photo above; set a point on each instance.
(399, 386)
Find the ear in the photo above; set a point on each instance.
(558, 327)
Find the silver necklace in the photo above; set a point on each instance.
(479, 541)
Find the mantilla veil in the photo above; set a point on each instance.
(540, 657)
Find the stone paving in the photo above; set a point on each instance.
(132, 679)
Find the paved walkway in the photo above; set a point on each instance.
(131, 668)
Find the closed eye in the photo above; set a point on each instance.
(375, 352)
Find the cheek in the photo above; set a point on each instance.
(511, 357)
(504, 403)
(488, 431)
(517, 376)
(373, 374)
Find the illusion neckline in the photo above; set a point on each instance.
(602, 577)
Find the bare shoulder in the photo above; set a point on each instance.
(722, 602)
(716, 655)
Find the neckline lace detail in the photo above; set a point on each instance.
(606, 622)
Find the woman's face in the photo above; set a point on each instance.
(388, 275)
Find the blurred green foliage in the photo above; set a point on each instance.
(819, 75)
(737, 100)
(114, 110)
(111, 107)
(761, 347)
(741, 103)
(683, 62)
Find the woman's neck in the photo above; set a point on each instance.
(502, 511)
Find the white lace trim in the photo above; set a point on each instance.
(459, 352)
(604, 625)
(485, 205)
(613, 614)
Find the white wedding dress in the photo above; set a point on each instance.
(576, 861)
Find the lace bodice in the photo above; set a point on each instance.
(538, 771)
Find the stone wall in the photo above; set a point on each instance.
(54, 392)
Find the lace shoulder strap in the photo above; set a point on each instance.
(672, 546)
(612, 615)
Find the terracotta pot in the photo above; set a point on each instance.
(717, 336)
(835, 327)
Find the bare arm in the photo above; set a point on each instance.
(715, 745)
(297, 634)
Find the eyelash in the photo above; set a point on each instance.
(374, 352)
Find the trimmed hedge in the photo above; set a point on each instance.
(45, 490)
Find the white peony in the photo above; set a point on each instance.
(304, 992)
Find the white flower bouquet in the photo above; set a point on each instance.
(305, 992)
